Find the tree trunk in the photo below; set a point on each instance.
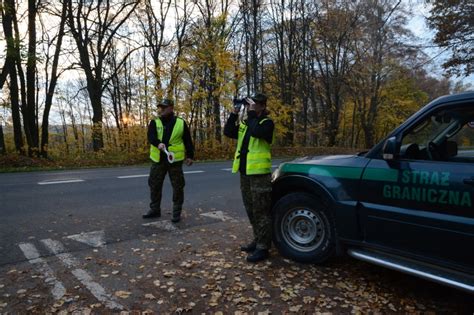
(52, 85)
(10, 64)
(29, 118)
(97, 134)
(65, 134)
(3, 150)
(95, 95)
(15, 102)
(213, 100)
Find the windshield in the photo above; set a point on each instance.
(443, 135)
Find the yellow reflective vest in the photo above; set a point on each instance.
(176, 144)
(259, 156)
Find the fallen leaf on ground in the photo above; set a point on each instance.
(296, 308)
(169, 273)
(123, 294)
(150, 296)
(212, 253)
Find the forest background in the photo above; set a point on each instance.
(339, 74)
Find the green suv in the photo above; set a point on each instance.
(407, 204)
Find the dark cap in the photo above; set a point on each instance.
(259, 98)
(166, 102)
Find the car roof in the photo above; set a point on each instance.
(453, 98)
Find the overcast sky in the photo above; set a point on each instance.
(420, 28)
(418, 25)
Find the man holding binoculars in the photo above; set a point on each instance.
(253, 160)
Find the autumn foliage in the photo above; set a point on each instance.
(338, 74)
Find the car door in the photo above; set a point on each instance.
(420, 204)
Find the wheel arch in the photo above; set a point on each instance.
(299, 183)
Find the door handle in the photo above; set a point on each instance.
(469, 181)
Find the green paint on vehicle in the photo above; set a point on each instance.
(347, 172)
(379, 174)
(324, 170)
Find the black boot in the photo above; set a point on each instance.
(151, 214)
(258, 255)
(249, 247)
(176, 214)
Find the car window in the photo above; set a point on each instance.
(446, 135)
(465, 141)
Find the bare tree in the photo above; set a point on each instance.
(182, 21)
(93, 26)
(252, 12)
(13, 54)
(50, 85)
(379, 45)
(29, 109)
(334, 27)
(287, 40)
(153, 30)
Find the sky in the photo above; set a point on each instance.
(417, 24)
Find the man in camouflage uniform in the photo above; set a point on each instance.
(253, 160)
(171, 133)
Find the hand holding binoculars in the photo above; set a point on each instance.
(238, 103)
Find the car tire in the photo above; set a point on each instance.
(304, 228)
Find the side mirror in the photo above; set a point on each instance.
(390, 149)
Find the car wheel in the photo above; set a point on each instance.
(303, 228)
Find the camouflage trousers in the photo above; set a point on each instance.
(257, 196)
(155, 181)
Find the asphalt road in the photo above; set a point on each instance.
(75, 241)
(39, 205)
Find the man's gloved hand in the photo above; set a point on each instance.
(161, 146)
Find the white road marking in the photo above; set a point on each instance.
(61, 182)
(218, 215)
(69, 261)
(230, 169)
(193, 172)
(146, 175)
(32, 254)
(164, 225)
(133, 176)
(94, 239)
